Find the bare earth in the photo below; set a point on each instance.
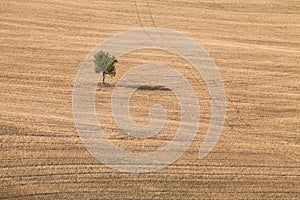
(256, 46)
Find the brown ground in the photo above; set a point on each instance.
(255, 45)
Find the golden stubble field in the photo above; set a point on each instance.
(255, 45)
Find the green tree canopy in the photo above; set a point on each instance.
(105, 63)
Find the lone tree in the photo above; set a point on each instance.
(105, 64)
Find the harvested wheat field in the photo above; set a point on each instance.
(256, 47)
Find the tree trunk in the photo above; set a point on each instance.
(103, 77)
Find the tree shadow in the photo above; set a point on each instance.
(141, 88)
(148, 87)
(153, 87)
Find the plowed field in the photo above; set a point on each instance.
(256, 47)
